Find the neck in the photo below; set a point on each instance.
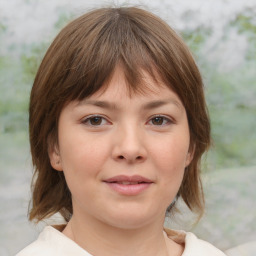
(147, 240)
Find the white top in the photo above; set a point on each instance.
(52, 242)
(247, 249)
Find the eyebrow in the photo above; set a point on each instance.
(147, 106)
(159, 103)
(99, 103)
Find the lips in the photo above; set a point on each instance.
(128, 185)
(128, 182)
(128, 179)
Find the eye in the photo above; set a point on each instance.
(160, 120)
(95, 121)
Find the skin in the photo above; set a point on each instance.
(130, 135)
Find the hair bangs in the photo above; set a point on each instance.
(117, 43)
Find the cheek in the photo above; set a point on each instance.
(83, 156)
(170, 162)
(172, 153)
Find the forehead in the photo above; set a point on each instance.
(151, 87)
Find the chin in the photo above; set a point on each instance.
(134, 219)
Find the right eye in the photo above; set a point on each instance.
(95, 121)
(160, 120)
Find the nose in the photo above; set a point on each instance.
(129, 145)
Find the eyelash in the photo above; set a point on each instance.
(88, 120)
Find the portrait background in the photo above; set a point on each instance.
(222, 37)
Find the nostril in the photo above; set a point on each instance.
(138, 158)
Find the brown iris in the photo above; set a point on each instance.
(96, 120)
(157, 120)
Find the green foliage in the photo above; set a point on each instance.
(3, 28)
(246, 24)
(230, 97)
(30, 61)
(13, 97)
(196, 38)
(64, 18)
(232, 108)
(2, 62)
(16, 78)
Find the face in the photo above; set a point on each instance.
(123, 156)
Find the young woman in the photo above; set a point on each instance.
(118, 125)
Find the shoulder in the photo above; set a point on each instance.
(193, 245)
(51, 242)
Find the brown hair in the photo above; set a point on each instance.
(80, 61)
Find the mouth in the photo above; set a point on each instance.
(128, 180)
(128, 185)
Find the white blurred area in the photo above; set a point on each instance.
(32, 21)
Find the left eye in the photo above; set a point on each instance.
(159, 120)
(95, 121)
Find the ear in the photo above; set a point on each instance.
(55, 158)
(190, 155)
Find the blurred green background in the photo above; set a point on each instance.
(222, 37)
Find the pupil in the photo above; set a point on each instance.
(96, 120)
(158, 120)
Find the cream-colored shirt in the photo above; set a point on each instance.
(52, 242)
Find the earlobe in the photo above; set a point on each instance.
(55, 159)
(190, 155)
(189, 158)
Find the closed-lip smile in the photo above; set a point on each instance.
(128, 185)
